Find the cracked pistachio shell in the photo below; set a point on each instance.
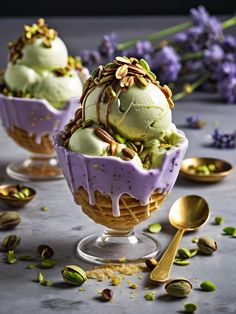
(9, 220)
(74, 275)
(11, 242)
(178, 287)
(207, 245)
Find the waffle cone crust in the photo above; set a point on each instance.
(131, 211)
(28, 141)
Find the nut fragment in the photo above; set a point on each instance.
(151, 263)
(122, 71)
(106, 295)
(129, 153)
(179, 287)
(45, 251)
(103, 135)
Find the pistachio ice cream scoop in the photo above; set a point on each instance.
(39, 67)
(128, 103)
(137, 114)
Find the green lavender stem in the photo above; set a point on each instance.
(156, 36)
(170, 31)
(229, 23)
(192, 55)
(192, 87)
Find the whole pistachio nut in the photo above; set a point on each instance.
(207, 245)
(45, 251)
(74, 275)
(9, 220)
(178, 287)
(11, 242)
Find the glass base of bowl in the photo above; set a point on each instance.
(117, 247)
(36, 167)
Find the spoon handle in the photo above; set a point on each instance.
(161, 272)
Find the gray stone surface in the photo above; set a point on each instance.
(64, 224)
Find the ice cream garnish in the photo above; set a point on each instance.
(29, 35)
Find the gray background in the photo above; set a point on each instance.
(64, 224)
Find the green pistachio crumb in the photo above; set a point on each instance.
(31, 266)
(154, 228)
(149, 296)
(190, 307)
(219, 220)
(44, 209)
(181, 262)
(40, 278)
(11, 258)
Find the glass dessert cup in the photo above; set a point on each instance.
(119, 195)
(31, 124)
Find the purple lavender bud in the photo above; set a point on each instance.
(229, 43)
(90, 58)
(226, 89)
(224, 139)
(166, 62)
(108, 47)
(211, 25)
(194, 122)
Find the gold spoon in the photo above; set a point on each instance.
(187, 213)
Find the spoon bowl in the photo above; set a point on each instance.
(186, 214)
(189, 212)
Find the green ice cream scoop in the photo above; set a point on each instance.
(20, 77)
(136, 114)
(41, 58)
(86, 142)
(58, 89)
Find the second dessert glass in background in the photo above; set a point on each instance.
(40, 92)
(121, 156)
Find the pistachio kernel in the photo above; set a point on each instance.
(181, 262)
(11, 258)
(154, 228)
(219, 220)
(184, 253)
(47, 263)
(208, 286)
(190, 307)
(229, 230)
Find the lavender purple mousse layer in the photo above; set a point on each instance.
(36, 116)
(113, 176)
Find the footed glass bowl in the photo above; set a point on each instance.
(31, 124)
(119, 195)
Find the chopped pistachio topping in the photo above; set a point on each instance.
(29, 35)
